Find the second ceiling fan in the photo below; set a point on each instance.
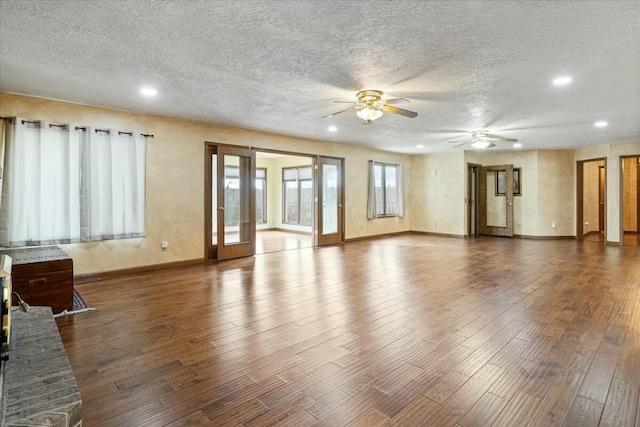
(370, 106)
(482, 139)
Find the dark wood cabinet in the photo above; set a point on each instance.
(42, 276)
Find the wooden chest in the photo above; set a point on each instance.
(43, 276)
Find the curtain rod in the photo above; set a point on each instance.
(146, 135)
(83, 128)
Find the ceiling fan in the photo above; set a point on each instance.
(482, 139)
(370, 106)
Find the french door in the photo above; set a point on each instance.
(496, 201)
(230, 218)
(330, 213)
(230, 186)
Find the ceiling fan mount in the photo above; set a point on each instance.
(371, 106)
(369, 97)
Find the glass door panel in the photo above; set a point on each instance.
(330, 206)
(235, 202)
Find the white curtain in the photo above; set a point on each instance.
(41, 185)
(372, 212)
(400, 191)
(113, 184)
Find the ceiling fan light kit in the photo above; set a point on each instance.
(481, 144)
(369, 114)
(370, 106)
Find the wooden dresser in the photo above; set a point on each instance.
(43, 276)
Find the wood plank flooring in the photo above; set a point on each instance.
(409, 330)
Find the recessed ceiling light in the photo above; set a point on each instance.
(419, 146)
(332, 128)
(148, 91)
(561, 81)
(601, 124)
(517, 145)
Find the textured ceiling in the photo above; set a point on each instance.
(277, 66)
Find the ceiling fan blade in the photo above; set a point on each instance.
(346, 102)
(459, 145)
(458, 140)
(499, 138)
(338, 112)
(400, 111)
(396, 101)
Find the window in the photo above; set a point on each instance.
(386, 185)
(64, 184)
(297, 190)
(261, 196)
(386, 190)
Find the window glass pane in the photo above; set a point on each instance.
(261, 173)
(260, 201)
(231, 172)
(391, 190)
(290, 174)
(306, 202)
(291, 201)
(304, 173)
(329, 199)
(377, 170)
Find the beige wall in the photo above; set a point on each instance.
(556, 193)
(436, 197)
(175, 180)
(591, 196)
(630, 193)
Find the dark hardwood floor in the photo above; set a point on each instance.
(403, 331)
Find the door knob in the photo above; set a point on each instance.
(221, 208)
(339, 205)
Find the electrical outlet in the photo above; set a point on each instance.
(553, 225)
(164, 246)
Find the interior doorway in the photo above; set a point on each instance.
(495, 200)
(630, 200)
(591, 196)
(285, 201)
(259, 201)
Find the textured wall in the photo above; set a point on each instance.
(556, 193)
(437, 202)
(175, 180)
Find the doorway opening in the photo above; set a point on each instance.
(259, 201)
(284, 201)
(591, 212)
(630, 200)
